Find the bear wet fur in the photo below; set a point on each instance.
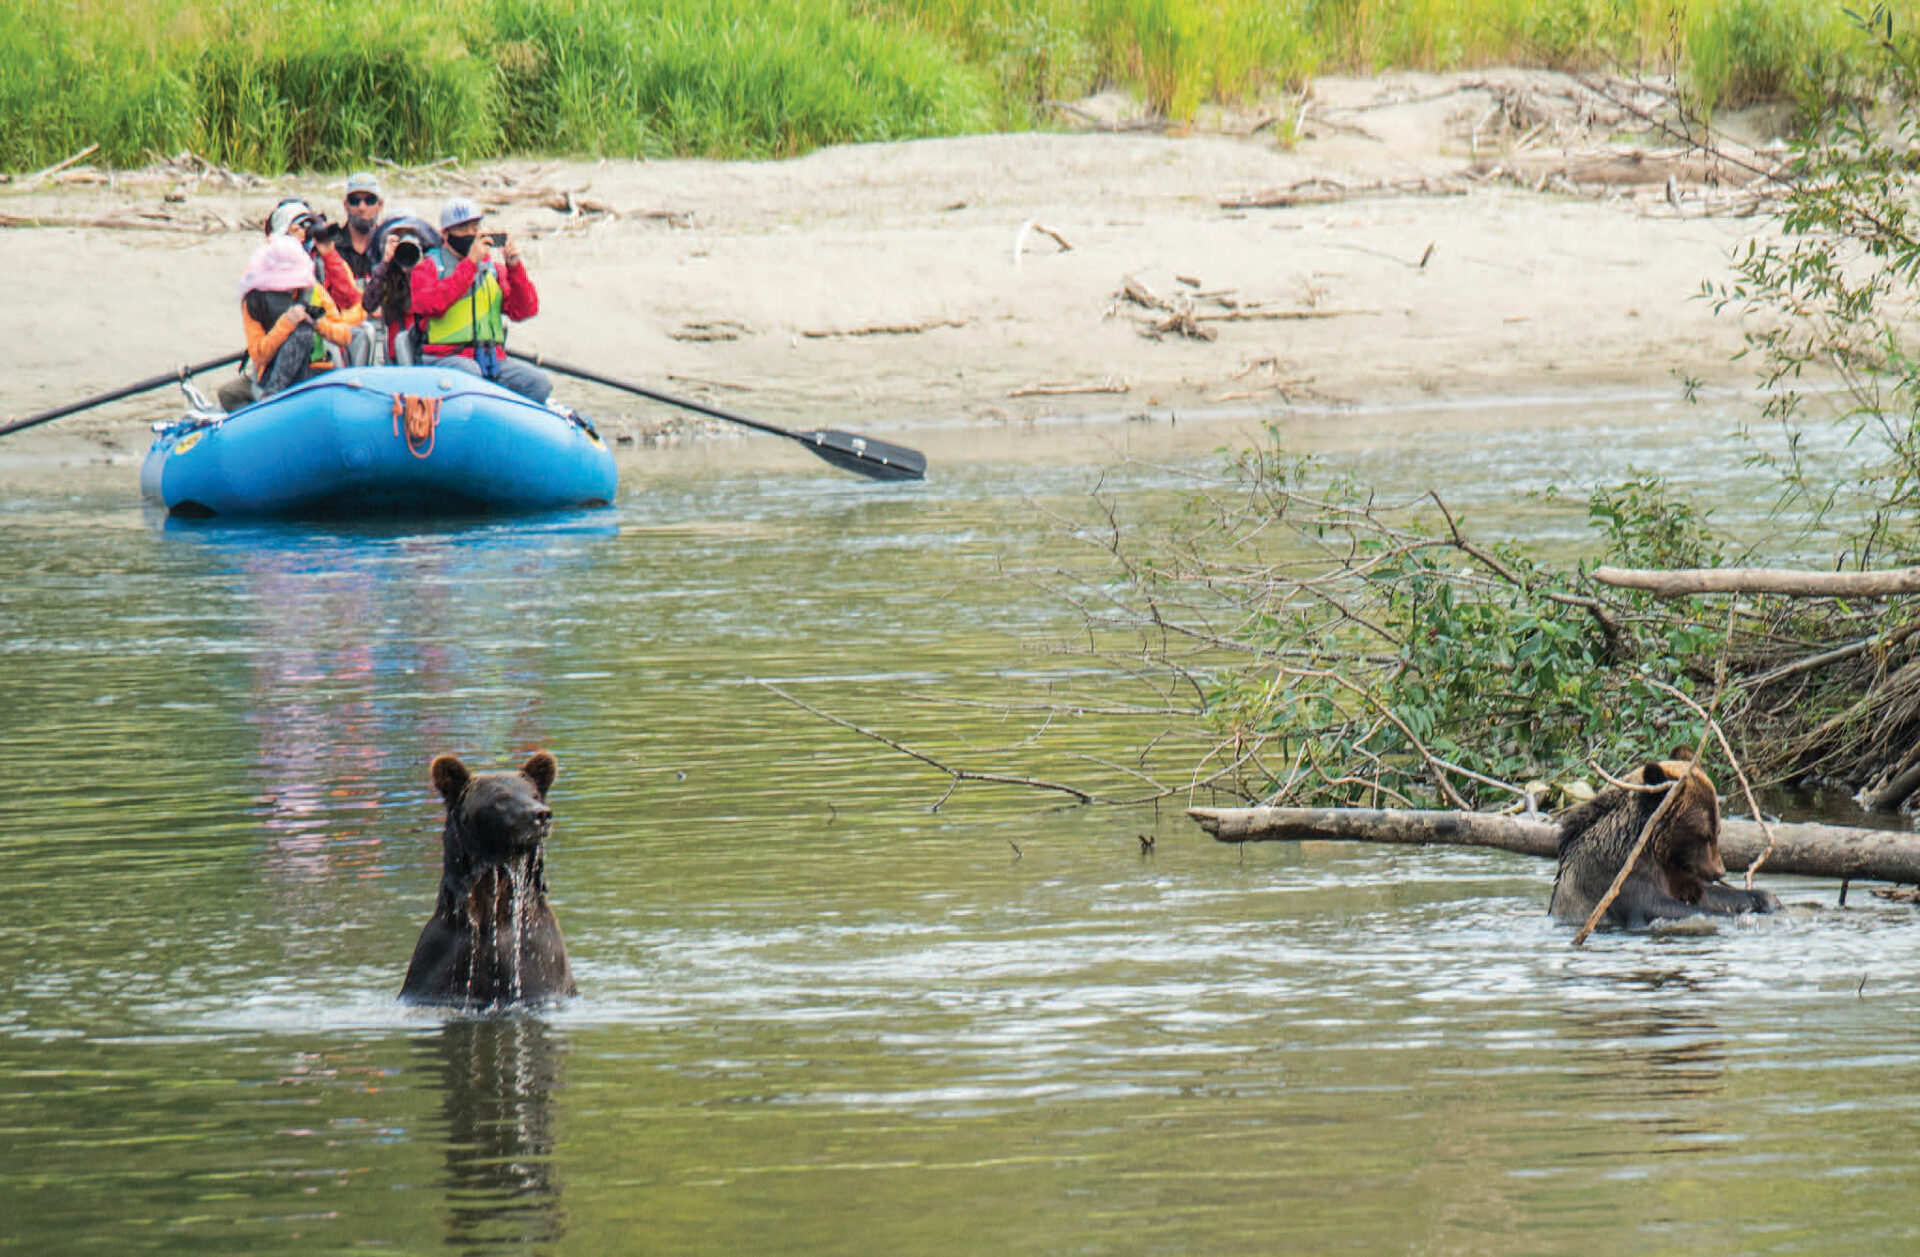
(1679, 872)
(493, 940)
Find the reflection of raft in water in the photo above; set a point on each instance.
(386, 440)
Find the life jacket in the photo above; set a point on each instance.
(265, 308)
(478, 316)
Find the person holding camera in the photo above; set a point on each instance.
(290, 320)
(462, 299)
(294, 217)
(400, 243)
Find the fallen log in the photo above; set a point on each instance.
(1808, 850)
(1680, 582)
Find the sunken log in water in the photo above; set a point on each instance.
(1809, 850)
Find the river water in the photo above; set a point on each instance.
(817, 1016)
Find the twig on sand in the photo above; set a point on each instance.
(1257, 316)
(1030, 227)
(958, 775)
(882, 329)
(1111, 384)
(711, 330)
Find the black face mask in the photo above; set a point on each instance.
(460, 244)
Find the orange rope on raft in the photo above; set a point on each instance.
(420, 417)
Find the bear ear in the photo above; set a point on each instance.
(1653, 774)
(1683, 752)
(450, 776)
(542, 769)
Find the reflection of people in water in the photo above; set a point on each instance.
(354, 643)
(498, 1075)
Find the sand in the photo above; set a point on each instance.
(921, 285)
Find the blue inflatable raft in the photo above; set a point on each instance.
(380, 440)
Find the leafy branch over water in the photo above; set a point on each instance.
(1328, 647)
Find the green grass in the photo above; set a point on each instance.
(273, 85)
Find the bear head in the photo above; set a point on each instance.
(1688, 841)
(496, 817)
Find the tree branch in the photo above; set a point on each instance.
(958, 774)
(1682, 582)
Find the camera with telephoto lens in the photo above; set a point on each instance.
(320, 231)
(406, 253)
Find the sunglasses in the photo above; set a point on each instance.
(362, 198)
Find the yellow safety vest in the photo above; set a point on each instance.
(477, 316)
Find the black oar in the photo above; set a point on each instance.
(849, 451)
(158, 381)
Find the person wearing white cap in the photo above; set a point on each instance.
(363, 205)
(294, 218)
(462, 300)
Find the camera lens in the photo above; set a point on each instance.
(406, 253)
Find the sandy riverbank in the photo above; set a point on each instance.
(893, 286)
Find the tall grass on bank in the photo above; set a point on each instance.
(1176, 54)
(278, 85)
(728, 78)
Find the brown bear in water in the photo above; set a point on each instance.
(493, 939)
(1678, 873)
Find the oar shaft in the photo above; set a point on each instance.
(685, 403)
(849, 451)
(158, 381)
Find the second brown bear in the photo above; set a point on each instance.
(1679, 872)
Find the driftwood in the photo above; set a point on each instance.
(1031, 227)
(34, 179)
(1257, 316)
(881, 329)
(129, 220)
(1682, 582)
(1807, 850)
(1108, 385)
(711, 330)
(1320, 191)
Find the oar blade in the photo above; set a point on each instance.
(865, 456)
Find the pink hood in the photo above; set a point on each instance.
(279, 265)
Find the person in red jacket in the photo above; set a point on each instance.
(462, 299)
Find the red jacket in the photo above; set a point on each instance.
(433, 295)
(340, 284)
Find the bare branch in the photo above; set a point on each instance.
(958, 774)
